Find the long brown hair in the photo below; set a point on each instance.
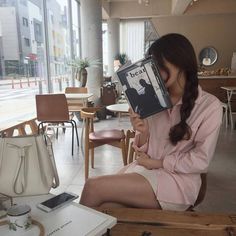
(178, 50)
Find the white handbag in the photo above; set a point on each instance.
(27, 166)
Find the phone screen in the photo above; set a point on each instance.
(58, 200)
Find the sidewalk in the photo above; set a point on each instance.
(20, 81)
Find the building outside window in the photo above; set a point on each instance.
(23, 48)
(25, 22)
(27, 42)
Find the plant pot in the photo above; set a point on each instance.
(83, 77)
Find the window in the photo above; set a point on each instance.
(38, 33)
(23, 50)
(25, 22)
(27, 42)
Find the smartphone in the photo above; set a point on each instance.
(57, 201)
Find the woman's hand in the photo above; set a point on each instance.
(138, 124)
(144, 160)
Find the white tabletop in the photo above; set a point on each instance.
(123, 107)
(78, 95)
(229, 88)
(72, 219)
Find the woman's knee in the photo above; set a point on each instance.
(90, 195)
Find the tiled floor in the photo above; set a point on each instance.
(221, 189)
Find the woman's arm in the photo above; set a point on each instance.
(141, 129)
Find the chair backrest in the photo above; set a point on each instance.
(52, 107)
(76, 90)
(202, 191)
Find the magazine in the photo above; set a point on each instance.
(144, 87)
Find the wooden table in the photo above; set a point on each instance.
(77, 100)
(230, 90)
(150, 222)
(119, 108)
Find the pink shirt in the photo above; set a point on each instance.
(179, 180)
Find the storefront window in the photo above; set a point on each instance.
(23, 60)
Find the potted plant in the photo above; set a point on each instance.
(122, 57)
(80, 66)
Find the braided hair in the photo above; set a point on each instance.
(177, 50)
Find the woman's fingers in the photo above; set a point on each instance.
(133, 114)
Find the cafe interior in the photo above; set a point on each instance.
(114, 27)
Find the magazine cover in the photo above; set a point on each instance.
(144, 88)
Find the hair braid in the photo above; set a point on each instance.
(182, 130)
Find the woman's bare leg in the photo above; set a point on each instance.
(131, 190)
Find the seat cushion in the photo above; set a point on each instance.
(107, 135)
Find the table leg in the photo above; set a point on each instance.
(229, 95)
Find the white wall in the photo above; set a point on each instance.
(9, 33)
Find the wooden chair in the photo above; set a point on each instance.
(129, 149)
(53, 109)
(95, 139)
(202, 192)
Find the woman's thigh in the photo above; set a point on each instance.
(129, 189)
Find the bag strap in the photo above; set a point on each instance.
(20, 175)
(51, 155)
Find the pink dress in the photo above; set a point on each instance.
(178, 182)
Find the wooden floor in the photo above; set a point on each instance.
(221, 190)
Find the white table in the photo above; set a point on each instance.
(78, 98)
(230, 90)
(72, 219)
(119, 108)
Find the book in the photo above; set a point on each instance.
(144, 88)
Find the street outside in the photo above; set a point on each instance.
(18, 99)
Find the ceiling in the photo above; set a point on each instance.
(125, 9)
(143, 8)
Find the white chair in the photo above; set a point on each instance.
(225, 116)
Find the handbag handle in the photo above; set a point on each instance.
(21, 167)
(51, 155)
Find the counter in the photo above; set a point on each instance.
(213, 84)
(218, 77)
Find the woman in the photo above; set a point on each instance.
(174, 146)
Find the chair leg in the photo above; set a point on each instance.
(124, 154)
(131, 153)
(42, 128)
(57, 133)
(226, 117)
(76, 132)
(92, 157)
(86, 160)
(72, 149)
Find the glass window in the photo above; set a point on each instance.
(59, 44)
(27, 42)
(23, 61)
(132, 31)
(76, 28)
(21, 56)
(105, 47)
(25, 22)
